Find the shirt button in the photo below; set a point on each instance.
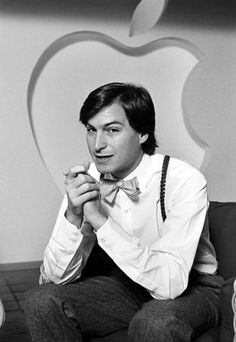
(103, 240)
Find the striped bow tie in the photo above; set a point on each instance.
(110, 187)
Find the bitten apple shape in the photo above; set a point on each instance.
(77, 63)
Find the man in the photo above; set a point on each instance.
(158, 278)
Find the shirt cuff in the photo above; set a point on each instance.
(67, 230)
(64, 243)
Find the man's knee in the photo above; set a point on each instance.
(143, 327)
(41, 302)
(163, 325)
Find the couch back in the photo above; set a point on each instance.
(222, 222)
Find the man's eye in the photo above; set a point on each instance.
(113, 130)
(90, 129)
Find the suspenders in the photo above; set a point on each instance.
(163, 185)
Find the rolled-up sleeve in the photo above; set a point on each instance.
(67, 251)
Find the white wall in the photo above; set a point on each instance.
(195, 118)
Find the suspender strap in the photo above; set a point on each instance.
(163, 185)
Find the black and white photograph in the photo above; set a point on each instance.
(118, 171)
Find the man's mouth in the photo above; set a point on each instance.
(103, 158)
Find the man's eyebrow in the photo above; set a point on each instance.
(113, 123)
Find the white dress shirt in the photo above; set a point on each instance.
(157, 255)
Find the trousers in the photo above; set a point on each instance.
(100, 304)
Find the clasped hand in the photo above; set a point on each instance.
(83, 197)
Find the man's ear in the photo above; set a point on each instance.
(143, 138)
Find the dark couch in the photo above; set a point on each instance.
(222, 219)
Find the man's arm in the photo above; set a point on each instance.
(73, 238)
(67, 251)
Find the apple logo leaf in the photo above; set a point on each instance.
(146, 15)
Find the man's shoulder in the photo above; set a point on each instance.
(175, 163)
(178, 168)
(183, 171)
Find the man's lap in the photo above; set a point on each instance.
(100, 304)
(104, 304)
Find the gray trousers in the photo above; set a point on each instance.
(97, 305)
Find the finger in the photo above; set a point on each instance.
(87, 196)
(79, 191)
(83, 168)
(75, 170)
(79, 180)
(86, 164)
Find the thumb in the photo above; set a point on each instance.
(86, 165)
(75, 170)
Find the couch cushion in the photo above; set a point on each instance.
(211, 335)
(222, 220)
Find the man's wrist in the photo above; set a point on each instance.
(76, 220)
(98, 222)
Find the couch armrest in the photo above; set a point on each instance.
(2, 314)
(234, 309)
(228, 310)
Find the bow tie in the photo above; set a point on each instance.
(109, 188)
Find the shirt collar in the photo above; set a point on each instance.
(148, 166)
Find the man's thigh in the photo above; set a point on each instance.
(99, 305)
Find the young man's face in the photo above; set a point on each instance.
(113, 144)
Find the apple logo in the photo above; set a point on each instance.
(76, 63)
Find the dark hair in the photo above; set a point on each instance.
(136, 102)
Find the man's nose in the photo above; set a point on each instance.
(100, 141)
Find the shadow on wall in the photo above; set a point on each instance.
(210, 13)
(220, 13)
(74, 8)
